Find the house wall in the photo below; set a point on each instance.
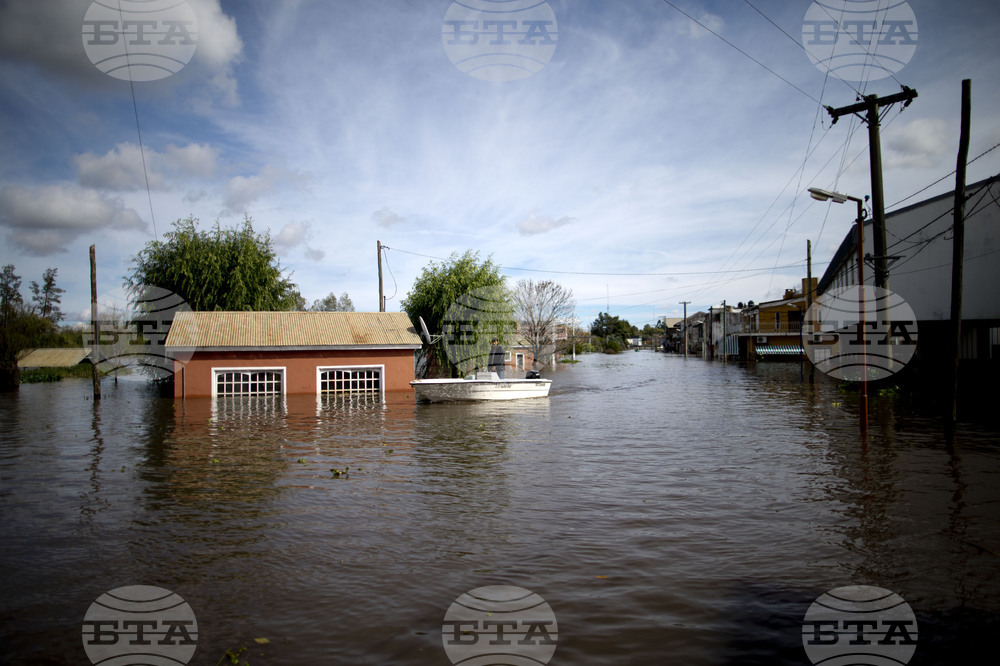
(920, 238)
(195, 377)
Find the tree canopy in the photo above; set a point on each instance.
(333, 304)
(466, 301)
(614, 331)
(21, 326)
(220, 269)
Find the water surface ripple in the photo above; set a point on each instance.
(669, 511)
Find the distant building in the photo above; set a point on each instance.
(772, 330)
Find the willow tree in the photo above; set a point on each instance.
(464, 303)
(218, 269)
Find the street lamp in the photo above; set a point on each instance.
(836, 197)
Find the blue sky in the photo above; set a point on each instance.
(645, 163)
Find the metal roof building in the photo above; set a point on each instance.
(277, 353)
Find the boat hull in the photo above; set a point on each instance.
(463, 390)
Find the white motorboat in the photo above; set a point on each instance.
(478, 387)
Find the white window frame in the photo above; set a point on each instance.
(282, 370)
(366, 368)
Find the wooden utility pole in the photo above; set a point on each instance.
(725, 355)
(808, 312)
(95, 356)
(871, 105)
(381, 298)
(685, 303)
(958, 246)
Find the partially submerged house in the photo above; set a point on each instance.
(279, 353)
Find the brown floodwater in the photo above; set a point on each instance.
(667, 510)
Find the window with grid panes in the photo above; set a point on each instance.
(248, 382)
(350, 381)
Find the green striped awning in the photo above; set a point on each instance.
(766, 350)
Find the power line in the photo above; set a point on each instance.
(605, 274)
(744, 53)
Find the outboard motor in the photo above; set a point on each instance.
(532, 374)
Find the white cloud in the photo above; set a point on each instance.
(194, 159)
(297, 234)
(120, 169)
(539, 224)
(241, 191)
(125, 167)
(919, 144)
(386, 218)
(44, 220)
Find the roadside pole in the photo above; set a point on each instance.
(958, 249)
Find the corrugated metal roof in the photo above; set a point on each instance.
(304, 330)
(60, 357)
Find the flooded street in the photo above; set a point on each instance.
(668, 510)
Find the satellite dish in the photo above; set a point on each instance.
(425, 333)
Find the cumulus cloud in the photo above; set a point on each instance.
(45, 220)
(241, 191)
(386, 218)
(119, 169)
(219, 46)
(295, 235)
(194, 159)
(123, 168)
(47, 33)
(539, 224)
(920, 144)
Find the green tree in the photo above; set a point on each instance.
(221, 269)
(20, 328)
(333, 304)
(48, 296)
(613, 331)
(465, 301)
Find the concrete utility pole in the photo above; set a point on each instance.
(381, 299)
(871, 105)
(958, 246)
(685, 304)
